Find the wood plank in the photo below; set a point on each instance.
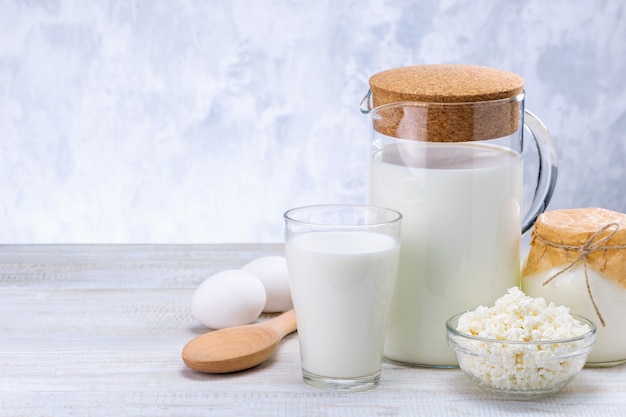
(98, 330)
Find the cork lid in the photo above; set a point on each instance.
(439, 83)
(560, 237)
(455, 97)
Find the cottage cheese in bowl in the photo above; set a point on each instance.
(522, 346)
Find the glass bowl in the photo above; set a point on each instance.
(521, 370)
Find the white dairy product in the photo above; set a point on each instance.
(460, 236)
(570, 289)
(341, 284)
(516, 317)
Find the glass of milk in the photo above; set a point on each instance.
(342, 262)
(461, 201)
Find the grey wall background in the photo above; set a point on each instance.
(202, 121)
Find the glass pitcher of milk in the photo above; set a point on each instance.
(451, 163)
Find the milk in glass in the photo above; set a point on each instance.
(341, 283)
(460, 237)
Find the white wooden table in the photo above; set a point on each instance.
(97, 330)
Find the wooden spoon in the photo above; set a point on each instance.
(238, 348)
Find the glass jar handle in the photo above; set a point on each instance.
(546, 177)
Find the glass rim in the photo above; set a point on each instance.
(592, 330)
(442, 104)
(396, 215)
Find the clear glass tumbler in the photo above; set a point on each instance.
(342, 262)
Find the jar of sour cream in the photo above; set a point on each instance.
(577, 258)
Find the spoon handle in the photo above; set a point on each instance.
(283, 324)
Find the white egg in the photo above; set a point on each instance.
(228, 298)
(272, 271)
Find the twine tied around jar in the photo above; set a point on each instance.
(594, 243)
